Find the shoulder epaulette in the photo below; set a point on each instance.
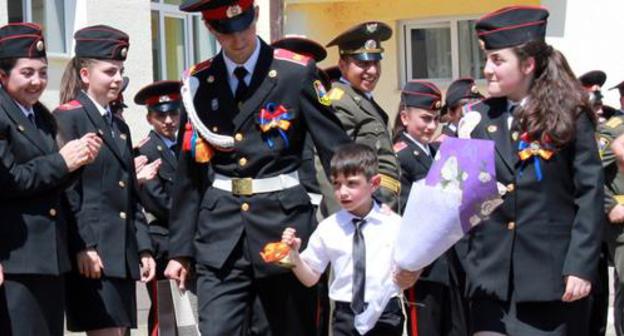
(335, 93)
(287, 55)
(399, 146)
(200, 66)
(142, 142)
(614, 122)
(70, 105)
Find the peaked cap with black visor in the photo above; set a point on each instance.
(224, 16)
(160, 97)
(363, 41)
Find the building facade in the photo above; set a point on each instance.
(432, 40)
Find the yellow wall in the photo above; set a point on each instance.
(322, 21)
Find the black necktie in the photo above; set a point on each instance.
(359, 267)
(31, 117)
(241, 89)
(174, 149)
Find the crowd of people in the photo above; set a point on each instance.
(259, 147)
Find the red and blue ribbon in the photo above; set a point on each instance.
(274, 118)
(528, 148)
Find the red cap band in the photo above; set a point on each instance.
(227, 12)
(151, 101)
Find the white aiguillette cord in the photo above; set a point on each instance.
(188, 90)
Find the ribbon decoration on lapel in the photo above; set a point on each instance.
(274, 117)
(192, 142)
(528, 148)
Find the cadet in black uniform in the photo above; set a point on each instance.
(163, 102)
(530, 266)
(461, 92)
(112, 244)
(34, 174)
(250, 108)
(434, 302)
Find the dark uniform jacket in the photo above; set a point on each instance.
(157, 192)
(104, 198)
(545, 229)
(367, 123)
(215, 220)
(415, 164)
(33, 176)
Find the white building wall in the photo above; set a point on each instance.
(589, 35)
(133, 17)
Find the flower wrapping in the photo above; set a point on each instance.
(458, 193)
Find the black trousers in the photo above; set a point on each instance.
(434, 309)
(618, 305)
(226, 299)
(599, 297)
(390, 322)
(32, 305)
(512, 318)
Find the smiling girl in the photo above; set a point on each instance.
(530, 265)
(33, 174)
(111, 243)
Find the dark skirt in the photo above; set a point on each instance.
(32, 305)
(99, 304)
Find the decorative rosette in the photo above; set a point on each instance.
(272, 119)
(529, 148)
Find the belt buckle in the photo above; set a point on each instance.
(242, 186)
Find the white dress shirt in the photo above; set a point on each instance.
(332, 243)
(103, 110)
(249, 65)
(27, 111)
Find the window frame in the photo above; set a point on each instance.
(404, 28)
(169, 10)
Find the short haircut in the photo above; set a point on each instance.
(352, 159)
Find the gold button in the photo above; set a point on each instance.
(240, 104)
(215, 129)
(52, 212)
(511, 225)
(122, 215)
(238, 137)
(245, 207)
(122, 184)
(511, 187)
(242, 162)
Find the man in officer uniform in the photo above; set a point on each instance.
(352, 99)
(620, 88)
(236, 185)
(163, 101)
(614, 210)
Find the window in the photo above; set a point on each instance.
(179, 40)
(440, 50)
(50, 14)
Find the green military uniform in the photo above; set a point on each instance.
(363, 119)
(614, 187)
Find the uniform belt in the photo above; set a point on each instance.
(247, 186)
(619, 199)
(390, 183)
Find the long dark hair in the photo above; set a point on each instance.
(398, 128)
(71, 84)
(6, 66)
(556, 97)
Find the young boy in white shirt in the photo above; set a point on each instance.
(358, 242)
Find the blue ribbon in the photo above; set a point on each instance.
(522, 145)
